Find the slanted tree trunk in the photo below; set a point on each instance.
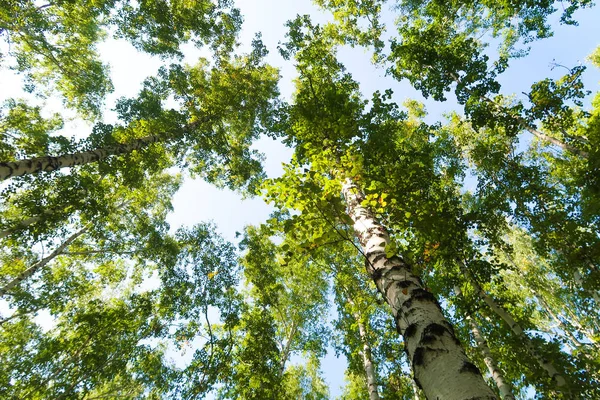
(285, 353)
(516, 328)
(42, 263)
(504, 387)
(579, 282)
(529, 127)
(440, 365)
(19, 225)
(46, 164)
(366, 355)
(566, 329)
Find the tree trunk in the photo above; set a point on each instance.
(525, 124)
(286, 350)
(516, 328)
(504, 387)
(579, 281)
(40, 264)
(20, 225)
(566, 329)
(366, 355)
(439, 363)
(35, 165)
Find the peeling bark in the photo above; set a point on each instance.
(439, 363)
(42, 263)
(517, 330)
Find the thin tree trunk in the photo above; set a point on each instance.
(366, 355)
(566, 329)
(516, 328)
(20, 225)
(440, 365)
(579, 282)
(35, 165)
(531, 129)
(286, 349)
(40, 264)
(554, 141)
(504, 387)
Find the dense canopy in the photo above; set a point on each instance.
(449, 255)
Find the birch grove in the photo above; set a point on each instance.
(434, 234)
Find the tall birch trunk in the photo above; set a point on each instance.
(516, 328)
(47, 164)
(42, 263)
(439, 363)
(366, 355)
(504, 387)
(286, 350)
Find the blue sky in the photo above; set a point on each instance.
(198, 201)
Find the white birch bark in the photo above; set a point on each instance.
(530, 128)
(366, 355)
(42, 263)
(415, 390)
(579, 282)
(286, 349)
(566, 329)
(439, 363)
(504, 387)
(516, 328)
(20, 225)
(46, 164)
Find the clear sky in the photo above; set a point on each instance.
(198, 201)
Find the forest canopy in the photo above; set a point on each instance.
(432, 232)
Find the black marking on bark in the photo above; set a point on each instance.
(377, 258)
(410, 331)
(418, 357)
(469, 367)
(404, 284)
(417, 382)
(419, 295)
(376, 274)
(432, 333)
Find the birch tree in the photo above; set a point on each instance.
(324, 136)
